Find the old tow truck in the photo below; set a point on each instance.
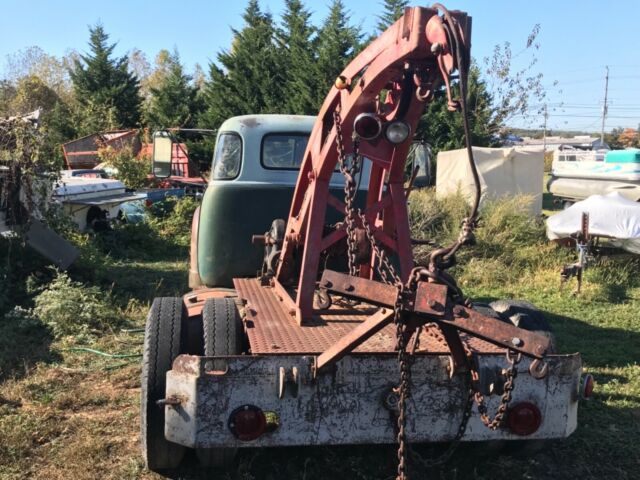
(341, 338)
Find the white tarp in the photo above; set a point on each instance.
(610, 215)
(503, 172)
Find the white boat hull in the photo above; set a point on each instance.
(580, 188)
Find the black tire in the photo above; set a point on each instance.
(525, 315)
(222, 327)
(223, 335)
(486, 310)
(162, 344)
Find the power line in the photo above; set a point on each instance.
(604, 109)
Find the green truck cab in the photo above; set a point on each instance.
(253, 175)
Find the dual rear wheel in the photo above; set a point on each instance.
(169, 333)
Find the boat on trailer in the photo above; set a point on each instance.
(578, 174)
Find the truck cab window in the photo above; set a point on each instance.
(227, 157)
(283, 151)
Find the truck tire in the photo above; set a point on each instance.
(525, 315)
(223, 335)
(162, 344)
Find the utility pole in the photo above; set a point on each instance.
(544, 131)
(604, 108)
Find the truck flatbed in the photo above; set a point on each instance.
(271, 330)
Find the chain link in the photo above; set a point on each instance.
(389, 275)
(510, 374)
(349, 171)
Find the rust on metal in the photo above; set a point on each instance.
(194, 301)
(431, 298)
(354, 338)
(498, 332)
(271, 330)
(375, 292)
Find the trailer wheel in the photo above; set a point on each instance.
(525, 315)
(223, 335)
(162, 344)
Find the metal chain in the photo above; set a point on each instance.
(349, 172)
(389, 275)
(404, 386)
(511, 373)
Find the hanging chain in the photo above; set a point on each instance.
(386, 270)
(349, 171)
(389, 275)
(510, 374)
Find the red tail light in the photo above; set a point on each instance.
(524, 418)
(247, 423)
(587, 384)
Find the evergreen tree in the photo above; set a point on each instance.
(248, 80)
(393, 10)
(104, 84)
(338, 43)
(173, 102)
(58, 129)
(443, 130)
(296, 48)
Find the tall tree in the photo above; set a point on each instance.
(297, 58)
(392, 11)
(443, 129)
(338, 43)
(173, 102)
(32, 93)
(141, 68)
(7, 95)
(102, 83)
(248, 79)
(515, 92)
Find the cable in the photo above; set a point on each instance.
(101, 353)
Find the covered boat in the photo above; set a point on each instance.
(610, 216)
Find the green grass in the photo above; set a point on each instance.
(70, 414)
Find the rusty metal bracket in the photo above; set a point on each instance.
(430, 299)
(355, 337)
(497, 332)
(430, 305)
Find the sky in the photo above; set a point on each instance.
(577, 39)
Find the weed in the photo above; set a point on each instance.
(71, 308)
(132, 171)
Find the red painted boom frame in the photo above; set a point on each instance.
(406, 62)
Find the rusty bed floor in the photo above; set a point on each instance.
(272, 331)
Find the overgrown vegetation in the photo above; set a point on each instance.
(129, 169)
(69, 307)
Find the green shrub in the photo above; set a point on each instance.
(71, 308)
(132, 171)
(174, 220)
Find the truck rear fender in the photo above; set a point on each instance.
(194, 276)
